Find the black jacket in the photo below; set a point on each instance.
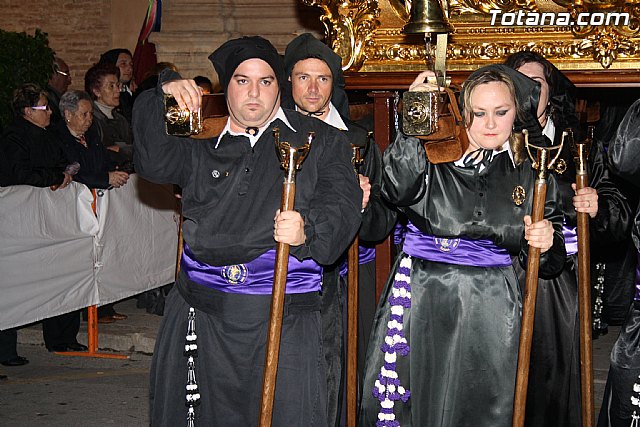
(30, 155)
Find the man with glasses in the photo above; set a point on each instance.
(56, 87)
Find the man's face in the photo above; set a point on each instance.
(125, 63)
(61, 78)
(253, 95)
(312, 85)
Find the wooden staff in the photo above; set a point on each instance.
(352, 314)
(541, 164)
(291, 159)
(580, 156)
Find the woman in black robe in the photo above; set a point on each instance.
(445, 341)
(553, 397)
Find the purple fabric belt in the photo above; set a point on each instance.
(365, 255)
(475, 253)
(254, 277)
(637, 297)
(570, 239)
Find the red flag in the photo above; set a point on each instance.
(144, 57)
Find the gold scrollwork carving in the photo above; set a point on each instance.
(349, 27)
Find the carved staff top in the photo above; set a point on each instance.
(291, 156)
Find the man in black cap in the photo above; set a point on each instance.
(315, 87)
(231, 190)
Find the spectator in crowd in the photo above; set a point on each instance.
(122, 59)
(204, 83)
(102, 83)
(58, 84)
(81, 142)
(34, 156)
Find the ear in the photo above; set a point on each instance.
(67, 115)
(26, 112)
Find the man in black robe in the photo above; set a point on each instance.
(231, 190)
(315, 87)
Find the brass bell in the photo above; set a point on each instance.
(427, 16)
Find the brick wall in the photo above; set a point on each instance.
(79, 30)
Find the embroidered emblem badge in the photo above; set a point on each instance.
(446, 245)
(560, 166)
(518, 195)
(235, 274)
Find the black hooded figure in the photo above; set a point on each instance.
(214, 331)
(444, 344)
(621, 400)
(377, 220)
(553, 396)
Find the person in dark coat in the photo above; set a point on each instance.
(621, 400)
(231, 192)
(315, 87)
(58, 84)
(122, 59)
(553, 396)
(81, 141)
(443, 350)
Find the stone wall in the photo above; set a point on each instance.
(80, 30)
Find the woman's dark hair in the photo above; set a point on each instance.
(69, 101)
(96, 74)
(24, 96)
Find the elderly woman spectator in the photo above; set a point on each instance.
(81, 141)
(33, 155)
(101, 82)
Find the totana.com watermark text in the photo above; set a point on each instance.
(536, 19)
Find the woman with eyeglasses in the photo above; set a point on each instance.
(33, 155)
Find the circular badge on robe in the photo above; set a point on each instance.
(446, 245)
(235, 274)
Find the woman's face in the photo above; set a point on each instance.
(125, 63)
(109, 91)
(493, 111)
(535, 71)
(80, 121)
(38, 115)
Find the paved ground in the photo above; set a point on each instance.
(64, 391)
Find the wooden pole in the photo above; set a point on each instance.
(291, 159)
(352, 315)
(581, 153)
(530, 293)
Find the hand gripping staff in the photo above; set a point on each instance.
(580, 153)
(291, 159)
(352, 309)
(542, 164)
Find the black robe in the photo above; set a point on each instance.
(617, 408)
(230, 195)
(464, 322)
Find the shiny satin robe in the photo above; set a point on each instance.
(464, 322)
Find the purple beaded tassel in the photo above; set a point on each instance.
(387, 388)
(191, 351)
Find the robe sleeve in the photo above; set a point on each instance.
(624, 150)
(404, 169)
(378, 218)
(333, 216)
(611, 223)
(159, 157)
(552, 261)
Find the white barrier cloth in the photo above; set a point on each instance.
(56, 256)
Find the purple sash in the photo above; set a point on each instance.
(254, 277)
(570, 239)
(365, 255)
(399, 230)
(475, 253)
(637, 297)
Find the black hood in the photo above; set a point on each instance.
(306, 46)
